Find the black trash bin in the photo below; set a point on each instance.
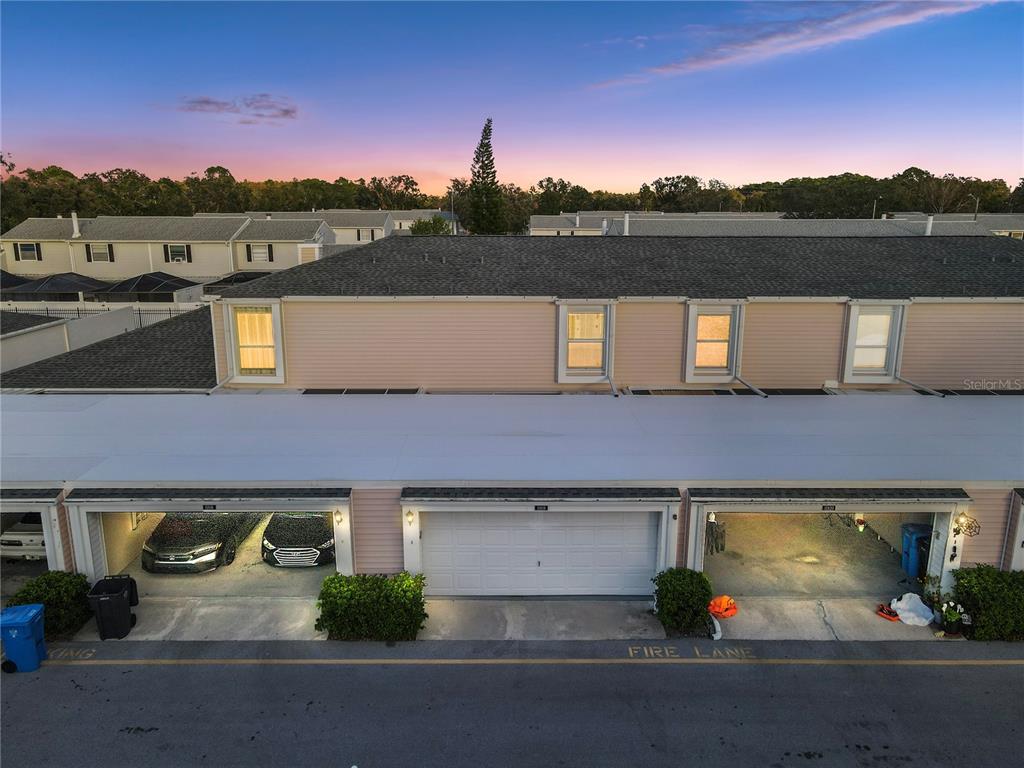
(111, 599)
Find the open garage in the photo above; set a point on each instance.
(203, 558)
(824, 543)
(522, 542)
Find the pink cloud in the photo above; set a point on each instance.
(770, 41)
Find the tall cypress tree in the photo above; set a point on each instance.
(486, 203)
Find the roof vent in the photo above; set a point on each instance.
(268, 217)
(75, 231)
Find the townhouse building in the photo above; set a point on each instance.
(116, 248)
(553, 416)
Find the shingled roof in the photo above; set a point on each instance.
(172, 354)
(131, 229)
(12, 322)
(695, 267)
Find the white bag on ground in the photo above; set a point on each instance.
(912, 610)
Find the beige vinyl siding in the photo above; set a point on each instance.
(285, 255)
(439, 345)
(991, 508)
(220, 341)
(130, 259)
(649, 344)
(377, 530)
(950, 345)
(55, 259)
(797, 344)
(348, 234)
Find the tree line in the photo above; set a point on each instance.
(483, 204)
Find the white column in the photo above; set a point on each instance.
(411, 545)
(343, 551)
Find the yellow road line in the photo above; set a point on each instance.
(532, 662)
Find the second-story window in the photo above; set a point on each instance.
(257, 353)
(261, 252)
(99, 252)
(177, 252)
(584, 348)
(873, 342)
(27, 252)
(712, 342)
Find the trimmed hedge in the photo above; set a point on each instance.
(994, 600)
(65, 597)
(681, 598)
(372, 607)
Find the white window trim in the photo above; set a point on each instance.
(266, 252)
(172, 259)
(567, 375)
(717, 376)
(106, 251)
(21, 255)
(896, 330)
(232, 356)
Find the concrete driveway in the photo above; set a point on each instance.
(527, 619)
(777, 618)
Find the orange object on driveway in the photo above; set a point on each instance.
(722, 607)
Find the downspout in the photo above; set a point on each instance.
(909, 383)
(928, 226)
(751, 387)
(625, 224)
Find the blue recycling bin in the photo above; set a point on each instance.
(21, 627)
(910, 555)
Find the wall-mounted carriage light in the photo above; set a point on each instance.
(338, 517)
(409, 516)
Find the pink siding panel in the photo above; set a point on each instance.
(377, 530)
(952, 345)
(797, 344)
(991, 508)
(649, 344)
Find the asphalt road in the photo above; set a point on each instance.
(495, 704)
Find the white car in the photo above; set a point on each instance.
(24, 539)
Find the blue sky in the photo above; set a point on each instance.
(605, 94)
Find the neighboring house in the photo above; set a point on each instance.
(603, 222)
(199, 248)
(375, 388)
(26, 338)
(705, 226)
(1004, 224)
(349, 225)
(403, 220)
(272, 244)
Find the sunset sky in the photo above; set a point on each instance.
(607, 95)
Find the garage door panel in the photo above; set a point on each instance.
(580, 552)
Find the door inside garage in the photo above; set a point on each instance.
(818, 555)
(539, 552)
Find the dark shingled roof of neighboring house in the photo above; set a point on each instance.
(335, 217)
(12, 322)
(171, 354)
(695, 267)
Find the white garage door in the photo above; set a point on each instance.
(539, 553)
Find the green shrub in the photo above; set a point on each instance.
(681, 598)
(994, 600)
(65, 597)
(376, 607)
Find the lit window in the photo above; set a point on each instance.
(711, 342)
(254, 339)
(873, 342)
(584, 348)
(585, 339)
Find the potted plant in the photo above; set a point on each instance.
(952, 617)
